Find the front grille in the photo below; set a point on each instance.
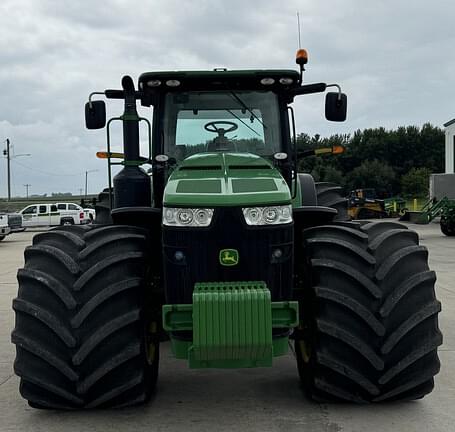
(14, 221)
(201, 248)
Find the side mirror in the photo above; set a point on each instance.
(95, 115)
(336, 106)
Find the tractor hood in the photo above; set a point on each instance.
(225, 179)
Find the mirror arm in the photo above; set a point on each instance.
(308, 89)
(119, 94)
(112, 94)
(338, 87)
(90, 97)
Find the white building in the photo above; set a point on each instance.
(450, 146)
(443, 185)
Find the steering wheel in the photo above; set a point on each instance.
(214, 127)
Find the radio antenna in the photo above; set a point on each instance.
(298, 29)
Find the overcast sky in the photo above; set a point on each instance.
(394, 59)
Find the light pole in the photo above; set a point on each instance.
(86, 175)
(7, 153)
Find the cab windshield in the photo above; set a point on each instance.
(243, 121)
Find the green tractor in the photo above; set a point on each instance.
(223, 248)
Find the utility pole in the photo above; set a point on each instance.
(7, 153)
(8, 167)
(27, 185)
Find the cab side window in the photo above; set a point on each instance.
(72, 207)
(53, 208)
(61, 206)
(42, 209)
(30, 210)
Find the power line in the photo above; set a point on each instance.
(45, 172)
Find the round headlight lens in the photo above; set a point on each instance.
(253, 215)
(271, 214)
(185, 216)
(202, 216)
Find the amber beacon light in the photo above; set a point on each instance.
(301, 58)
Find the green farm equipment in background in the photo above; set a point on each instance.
(221, 246)
(444, 208)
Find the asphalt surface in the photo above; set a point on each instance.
(241, 400)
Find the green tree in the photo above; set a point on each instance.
(328, 173)
(396, 151)
(415, 183)
(373, 174)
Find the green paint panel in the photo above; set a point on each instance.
(253, 185)
(241, 179)
(202, 186)
(232, 325)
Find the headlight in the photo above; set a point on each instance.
(188, 217)
(268, 215)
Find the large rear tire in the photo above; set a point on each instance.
(330, 195)
(82, 332)
(370, 316)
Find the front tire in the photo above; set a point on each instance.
(370, 329)
(82, 332)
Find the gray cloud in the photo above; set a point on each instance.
(394, 59)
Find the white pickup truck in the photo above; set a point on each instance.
(36, 215)
(4, 227)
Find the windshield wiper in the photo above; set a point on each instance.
(241, 121)
(244, 106)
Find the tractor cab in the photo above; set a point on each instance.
(219, 111)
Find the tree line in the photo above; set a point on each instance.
(394, 162)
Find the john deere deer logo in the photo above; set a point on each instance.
(229, 257)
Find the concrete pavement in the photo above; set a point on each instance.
(241, 400)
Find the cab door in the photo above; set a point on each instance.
(44, 216)
(30, 216)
